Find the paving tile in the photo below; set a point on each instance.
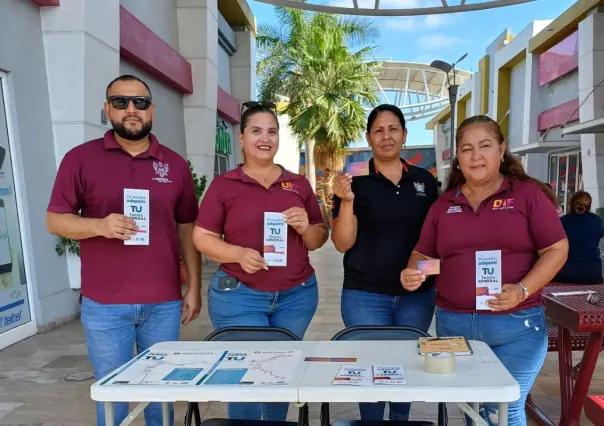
(8, 407)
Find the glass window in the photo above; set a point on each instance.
(563, 162)
(553, 173)
(221, 164)
(14, 299)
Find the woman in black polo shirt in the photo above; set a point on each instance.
(377, 222)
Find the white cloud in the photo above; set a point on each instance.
(415, 24)
(438, 41)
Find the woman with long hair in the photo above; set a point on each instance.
(493, 214)
(230, 229)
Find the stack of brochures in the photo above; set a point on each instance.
(456, 345)
(354, 375)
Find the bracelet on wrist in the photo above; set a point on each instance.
(525, 291)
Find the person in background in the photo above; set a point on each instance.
(584, 231)
(491, 204)
(377, 220)
(131, 294)
(245, 291)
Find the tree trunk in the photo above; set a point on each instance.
(310, 164)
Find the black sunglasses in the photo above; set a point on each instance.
(258, 105)
(122, 102)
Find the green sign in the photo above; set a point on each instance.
(223, 141)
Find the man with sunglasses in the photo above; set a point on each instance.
(131, 294)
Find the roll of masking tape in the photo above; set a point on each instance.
(439, 363)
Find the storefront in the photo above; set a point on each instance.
(565, 176)
(17, 319)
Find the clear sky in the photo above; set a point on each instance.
(445, 37)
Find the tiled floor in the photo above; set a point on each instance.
(34, 390)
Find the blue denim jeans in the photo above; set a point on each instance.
(518, 339)
(291, 309)
(112, 331)
(365, 308)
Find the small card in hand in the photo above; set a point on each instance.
(429, 267)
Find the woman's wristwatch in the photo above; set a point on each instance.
(525, 291)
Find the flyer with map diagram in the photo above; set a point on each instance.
(256, 368)
(167, 368)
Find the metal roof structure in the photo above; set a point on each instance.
(417, 89)
(375, 8)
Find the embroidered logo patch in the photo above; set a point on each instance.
(161, 170)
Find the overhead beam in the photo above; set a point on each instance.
(44, 3)
(437, 10)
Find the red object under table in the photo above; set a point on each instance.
(594, 409)
(573, 314)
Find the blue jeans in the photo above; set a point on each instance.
(365, 308)
(111, 333)
(518, 339)
(291, 309)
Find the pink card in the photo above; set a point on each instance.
(429, 267)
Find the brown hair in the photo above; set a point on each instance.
(510, 167)
(580, 202)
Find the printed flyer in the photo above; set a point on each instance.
(275, 239)
(488, 277)
(136, 207)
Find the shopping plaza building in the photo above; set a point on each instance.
(545, 86)
(56, 59)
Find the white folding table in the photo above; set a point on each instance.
(478, 378)
(109, 393)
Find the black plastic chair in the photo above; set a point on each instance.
(246, 334)
(368, 333)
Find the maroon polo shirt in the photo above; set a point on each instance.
(234, 206)
(92, 178)
(518, 219)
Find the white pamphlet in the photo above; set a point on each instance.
(275, 239)
(353, 375)
(488, 277)
(389, 375)
(136, 207)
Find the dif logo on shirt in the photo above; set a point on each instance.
(288, 186)
(503, 204)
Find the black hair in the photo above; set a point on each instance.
(248, 113)
(126, 77)
(383, 108)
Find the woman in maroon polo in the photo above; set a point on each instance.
(259, 283)
(494, 224)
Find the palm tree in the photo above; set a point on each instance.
(307, 58)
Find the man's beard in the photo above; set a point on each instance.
(131, 134)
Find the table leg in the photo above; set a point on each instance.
(503, 414)
(109, 420)
(572, 415)
(165, 412)
(565, 366)
(535, 414)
